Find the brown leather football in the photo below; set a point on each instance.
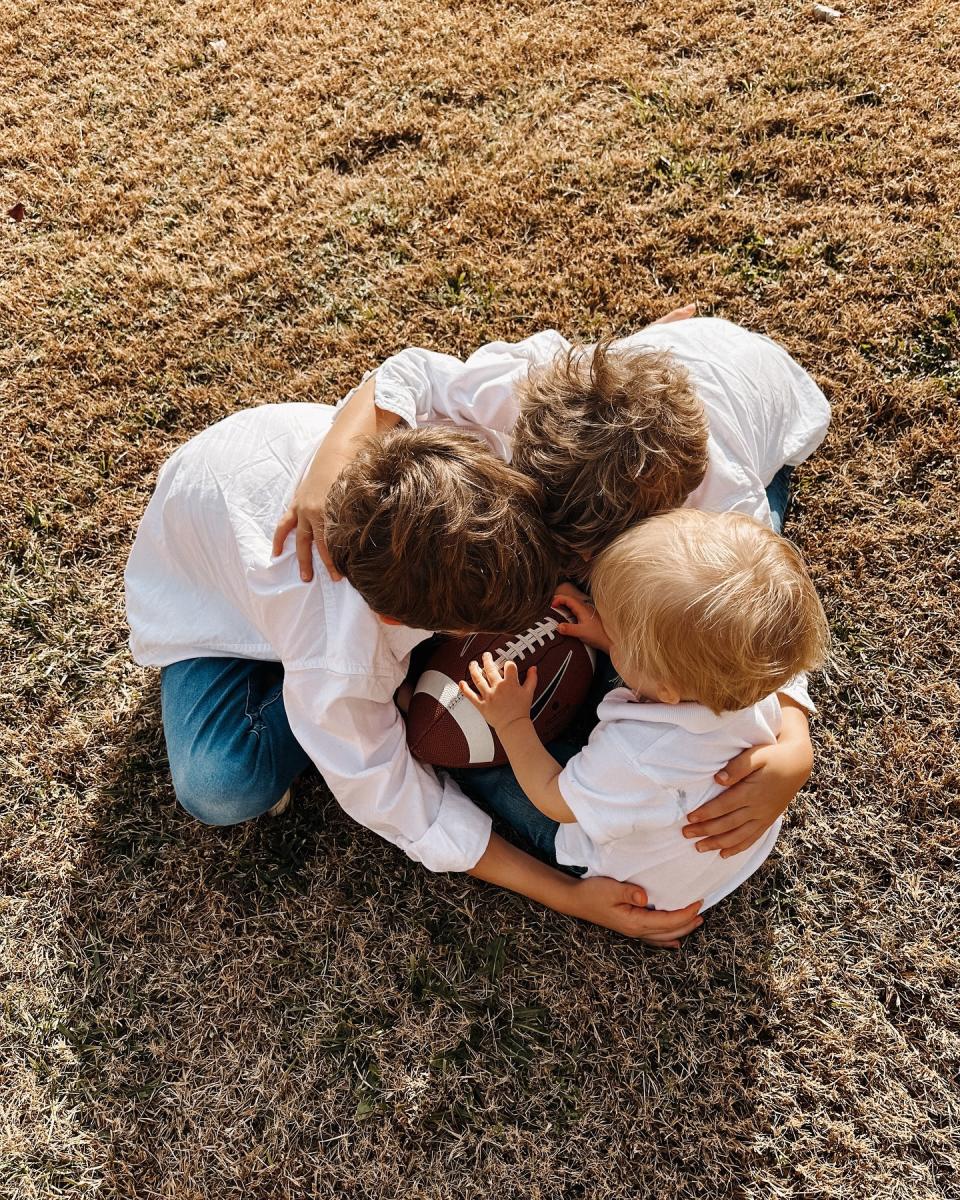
(443, 727)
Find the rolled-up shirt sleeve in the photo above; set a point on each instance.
(423, 386)
(414, 384)
(797, 689)
(355, 736)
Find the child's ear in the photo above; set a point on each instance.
(668, 695)
(388, 620)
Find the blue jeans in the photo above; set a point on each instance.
(495, 789)
(232, 754)
(778, 497)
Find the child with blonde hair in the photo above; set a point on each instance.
(705, 617)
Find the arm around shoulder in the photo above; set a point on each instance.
(358, 418)
(621, 907)
(760, 785)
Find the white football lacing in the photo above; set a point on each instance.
(536, 635)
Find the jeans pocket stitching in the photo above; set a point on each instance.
(270, 700)
(253, 718)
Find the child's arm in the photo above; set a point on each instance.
(359, 418)
(505, 705)
(602, 901)
(677, 314)
(413, 386)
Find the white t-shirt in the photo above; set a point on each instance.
(762, 408)
(645, 767)
(201, 582)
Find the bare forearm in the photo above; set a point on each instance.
(535, 767)
(795, 729)
(760, 783)
(360, 417)
(511, 868)
(605, 902)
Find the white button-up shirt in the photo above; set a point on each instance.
(201, 582)
(645, 767)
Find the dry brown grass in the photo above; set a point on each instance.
(294, 1009)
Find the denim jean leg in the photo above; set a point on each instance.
(496, 791)
(231, 750)
(778, 497)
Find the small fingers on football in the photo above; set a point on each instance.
(479, 678)
(582, 610)
(491, 670)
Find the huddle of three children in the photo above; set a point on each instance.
(456, 496)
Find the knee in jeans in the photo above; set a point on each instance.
(216, 795)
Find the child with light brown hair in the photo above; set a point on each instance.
(705, 617)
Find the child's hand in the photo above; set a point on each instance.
(500, 697)
(358, 419)
(588, 627)
(307, 514)
(761, 782)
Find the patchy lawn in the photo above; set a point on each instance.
(244, 202)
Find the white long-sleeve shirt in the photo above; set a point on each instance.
(762, 408)
(645, 767)
(201, 582)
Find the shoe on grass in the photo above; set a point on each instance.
(281, 805)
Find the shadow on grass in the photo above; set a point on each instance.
(292, 1007)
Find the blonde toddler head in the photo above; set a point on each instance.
(714, 605)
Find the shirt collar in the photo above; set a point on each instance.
(401, 639)
(622, 705)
